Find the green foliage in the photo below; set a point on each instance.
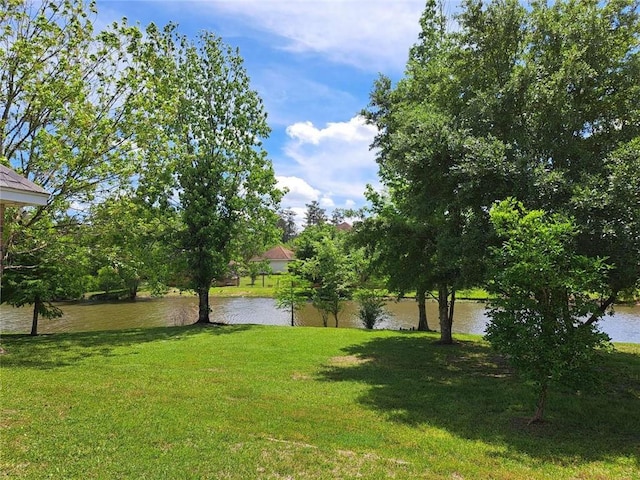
(109, 279)
(255, 268)
(537, 103)
(332, 276)
(39, 272)
(292, 293)
(226, 182)
(74, 102)
(306, 242)
(539, 318)
(370, 307)
(134, 239)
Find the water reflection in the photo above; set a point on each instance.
(470, 317)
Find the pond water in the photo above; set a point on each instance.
(623, 326)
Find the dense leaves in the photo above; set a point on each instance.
(545, 292)
(226, 183)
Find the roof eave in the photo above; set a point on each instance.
(12, 196)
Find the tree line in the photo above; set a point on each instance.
(509, 154)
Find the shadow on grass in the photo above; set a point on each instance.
(63, 349)
(469, 391)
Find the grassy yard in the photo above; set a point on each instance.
(245, 289)
(249, 402)
(258, 289)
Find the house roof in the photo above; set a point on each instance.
(277, 253)
(17, 190)
(344, 226)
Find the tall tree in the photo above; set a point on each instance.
(287, 224)
(315, 214)
(532, 103)
(224, 177)
(337, 216)
(420, 151)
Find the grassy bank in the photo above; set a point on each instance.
(268, 288)
(244, 402)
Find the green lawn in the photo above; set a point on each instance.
(258, 289)
(245, 402)
(245, 289)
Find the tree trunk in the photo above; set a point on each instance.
(538, 417)
(36, 312)
(203, 305)
(133, 289)
(335, 315)
(603, 308)
(423, 325)
(452, 305)
(444, 312)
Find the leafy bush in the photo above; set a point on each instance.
(371, 309)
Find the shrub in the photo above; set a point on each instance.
(371, 308)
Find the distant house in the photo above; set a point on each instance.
(278, 258)
(344, 226)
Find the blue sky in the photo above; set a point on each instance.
(313, 62)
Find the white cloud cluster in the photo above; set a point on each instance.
(331, 165)
(373, 35)
(352, 132)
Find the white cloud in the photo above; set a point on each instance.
(298, 190)
(373, 35)
(327, 203)
(353, 131)
(335, 161)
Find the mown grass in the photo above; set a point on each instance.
(245, 289)
(268, 289)
(245, 402)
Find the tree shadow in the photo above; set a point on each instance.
(56, 350)
(468, 390)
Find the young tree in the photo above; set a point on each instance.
(224, 177)
(41, 277)
(544, 294)
(371, 307)
(292, 293)
(331, 274)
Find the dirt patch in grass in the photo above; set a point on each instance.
(347, 360)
